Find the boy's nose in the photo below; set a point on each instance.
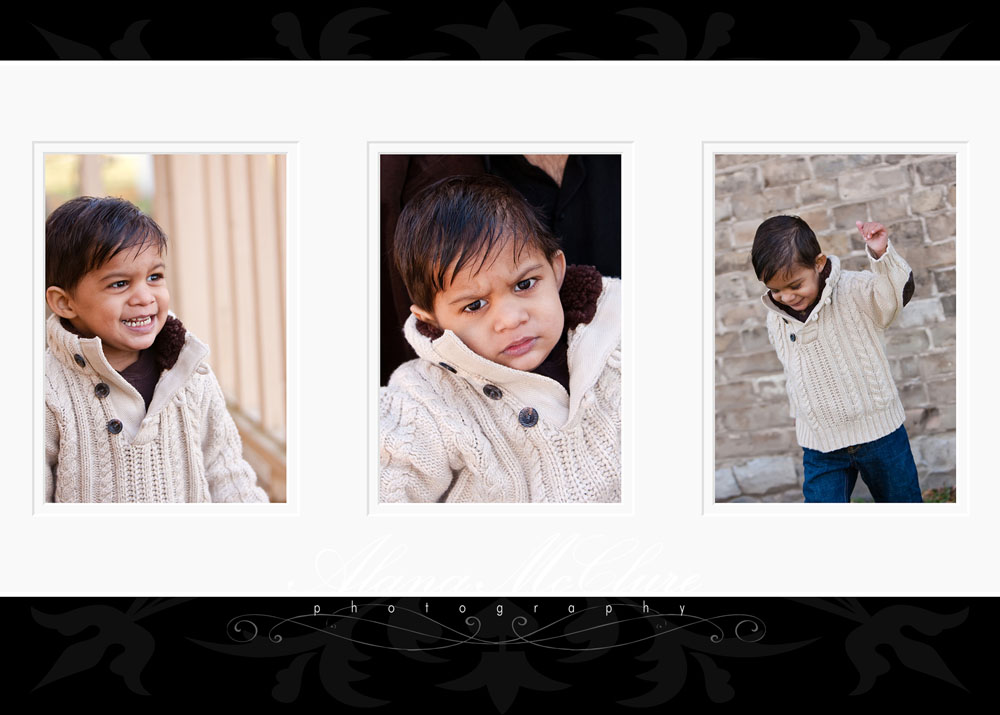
(143, 296)
(510, 316)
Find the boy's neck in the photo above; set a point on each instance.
(120, 360)
(556, 363)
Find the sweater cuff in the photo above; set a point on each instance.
(891, 264)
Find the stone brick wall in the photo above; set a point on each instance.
(757, 457)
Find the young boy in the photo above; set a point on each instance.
(515, 396)
(132, 411)
(826, 325)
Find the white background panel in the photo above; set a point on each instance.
(328, 539)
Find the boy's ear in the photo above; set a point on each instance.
(60, 302)
(559, 267)
(820, 261)
(424, 316)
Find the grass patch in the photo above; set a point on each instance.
(940, 496)
(944, 495)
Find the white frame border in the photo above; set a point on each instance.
(623, 148)
(960, 149)
(293, 483)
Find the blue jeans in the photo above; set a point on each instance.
(886, 465)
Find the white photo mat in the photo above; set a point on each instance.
(624, 150)
(960, 151)
(289, 151)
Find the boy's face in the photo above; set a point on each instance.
(797, 287)
(123, 302)
(509, 312)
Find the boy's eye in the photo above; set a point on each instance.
(118, 284)
(475, 306)
(155, 277)
(525, 284)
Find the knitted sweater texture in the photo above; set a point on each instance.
(467, 432)
(839, 382)
(102, 445)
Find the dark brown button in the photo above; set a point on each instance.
(79, 360)
(115, 426)
(492, 391)
(102, 390)
(528, 417)
(448, 367)
(792, 337)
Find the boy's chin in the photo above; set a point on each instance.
(523, 368)
(140, 342)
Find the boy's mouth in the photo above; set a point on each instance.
(520, 347)
(139, 322)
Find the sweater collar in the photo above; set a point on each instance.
(65, 342)
(178, 353)
(832, 275)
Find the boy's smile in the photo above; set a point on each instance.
(509, 312)
(798, 287)
(123, 302)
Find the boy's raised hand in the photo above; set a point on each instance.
(875, 235)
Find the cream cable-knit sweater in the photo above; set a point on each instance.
(839, 383)
(101, 445)
(467, 435)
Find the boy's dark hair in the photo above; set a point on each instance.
(780, 243)
(86, 232)
(460, 218)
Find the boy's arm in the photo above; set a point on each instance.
(776, 337)
(892, 285)
(51, 454)
(230, 478)
(413, 460)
